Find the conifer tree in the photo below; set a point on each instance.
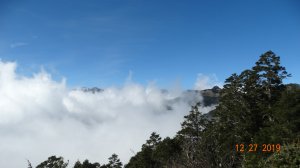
(53, 162)
(191, 133)
(114, 162)
(153, 141)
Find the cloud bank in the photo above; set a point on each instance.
(40, 117)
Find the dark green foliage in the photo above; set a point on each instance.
(165, 153)
(168, 152)
(86, 164)
(78, 164)
(246, 111)
(255, 107)
(288, 110)
(193, 124)
(270, 76)
(191, 134)
(114, 162)
(142, 159)
(53, 162)
(289, 156)
(145, 157)
(152, 142)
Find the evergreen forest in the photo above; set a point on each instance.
(255, 124)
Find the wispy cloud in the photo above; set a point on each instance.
(18, 44)
(206, 82)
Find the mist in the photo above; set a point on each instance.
(40, 117)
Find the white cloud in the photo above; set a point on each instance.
(18, 44)
(206, 82)
(40, 117)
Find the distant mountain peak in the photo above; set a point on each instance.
(216, 89)
(92, 90)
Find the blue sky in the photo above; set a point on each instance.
(99, 42)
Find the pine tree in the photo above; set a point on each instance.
(86, 164)
(191, 133)
(153, 141)
(193, 125)
(145, 158)
(114, 162)
(168, 152)
(53, 162)
(271, 75)
(245, 114)
(77, 164)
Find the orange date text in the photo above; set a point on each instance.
(241, 148)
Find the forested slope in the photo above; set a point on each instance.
(256, 124)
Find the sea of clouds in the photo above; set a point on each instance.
(40, 117)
